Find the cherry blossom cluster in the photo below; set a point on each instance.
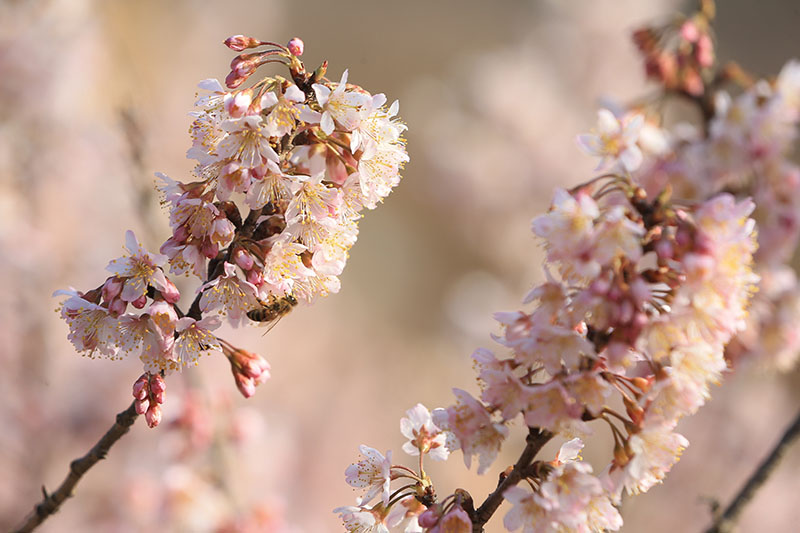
(641, 297)
(743, 146)
(650, 272)
(285, 168)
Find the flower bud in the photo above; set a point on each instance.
(153, 416)
(430, 518)
(241, 42)
(170, 293)
(296, 46)
(111, 288)
(243, 259)
(140, 302)
(117, 307)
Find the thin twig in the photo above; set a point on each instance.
(52, 502)
(535, 441)
(726, 521)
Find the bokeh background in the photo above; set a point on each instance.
(94, 98)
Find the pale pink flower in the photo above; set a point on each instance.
(614, 140)
(195, 338)
(560, 404)
(91, 328)
(228, 295)
(361, 520)
(139, 269)
(268, 185)
(569, 452)
(424, 436)
(569, 231)
(150, 336)
(247, 142)
(312, 201)
(504, 391)
(379, 129)
(371, 473)
(653, 452)
(282, 113)
(347, 108)
(283, 267)
(570, 499)
(404, 514)
(474, 431)
(379, 173)
(617, 236)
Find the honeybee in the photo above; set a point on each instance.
(271, 312)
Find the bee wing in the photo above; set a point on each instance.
(271, 324)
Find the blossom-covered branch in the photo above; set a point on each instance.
(650, 270)
(302, 156)
(51, 502)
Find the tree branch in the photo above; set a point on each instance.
(535, 441)
(52, 502)
(726, 520)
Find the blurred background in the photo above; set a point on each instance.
(94, 98)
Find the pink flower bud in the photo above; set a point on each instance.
(296, 46)
(157, 384)
(141, 406)
(241, 42)
(209, 249)
(255, 277)
(705, 52)
(117, 307)
(690, 32)
(456, 521)
(153, 416)
(243, 259)
(140, 388)
(430, 518)
(245, 385)
(111, 288)
(140, 302)
(170, 293)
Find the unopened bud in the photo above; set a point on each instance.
(241, 42)
(153, 416)
(170, 293)
(296, 46)
(243, 259)
(141, 406)
(111, 288)
(430, 518)
(245, 385)
(140, 302)
(456, 521)
(642, 384)
(117, 307)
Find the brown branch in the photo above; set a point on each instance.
(726, 520)
(52, 502)
(535, 441)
